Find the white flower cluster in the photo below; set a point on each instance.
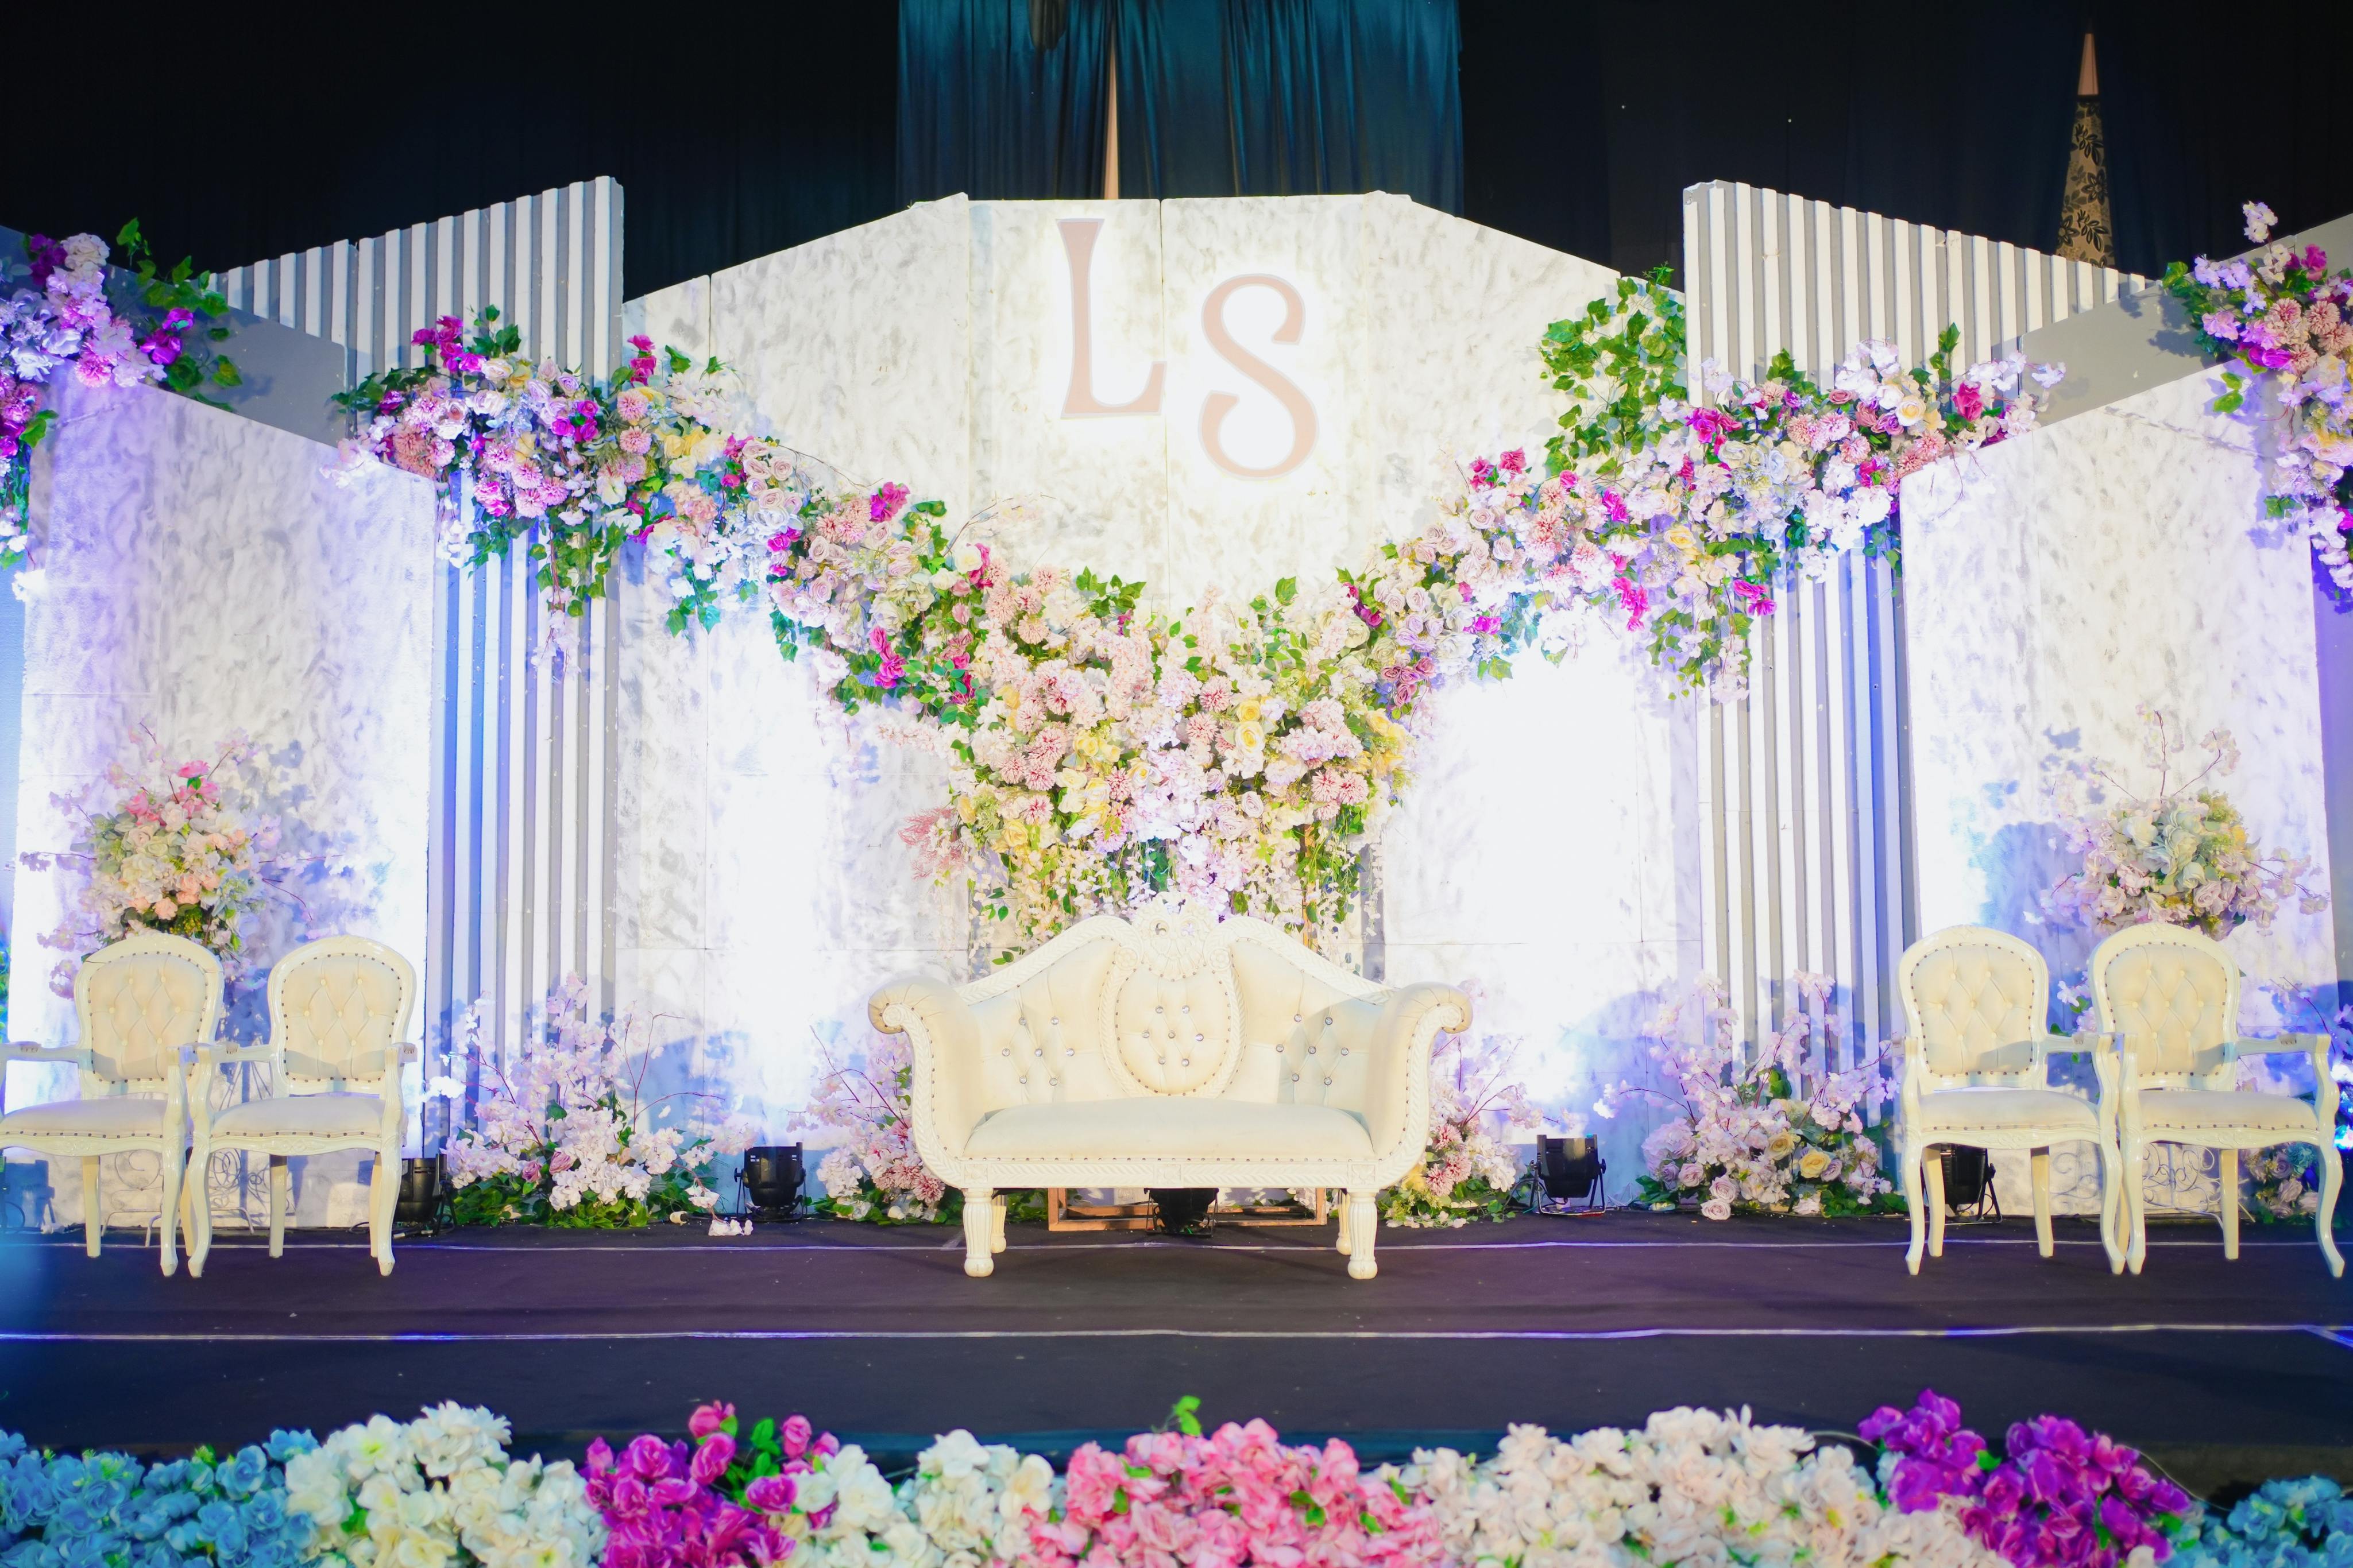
(566, 1114)
(974, 1502)
(873, 1172)
(440, 1491)
(1691, 1487)
(867, 1527)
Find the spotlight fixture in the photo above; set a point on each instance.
(1183, 1211)
(1569, 1168)
(771, 1176)
(1969, 1182)
(418, 1207)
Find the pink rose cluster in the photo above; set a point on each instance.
(2060, 1498)
(1236, 1496)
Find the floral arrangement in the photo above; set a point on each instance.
(2280, 1524)
(2285, 322)
(2058, 1498)
(873, 1172)
(1236, 1496)
(563, 1135)
(1774, 1133)
(176, 849)
(1468, 1172)
(2181, 855)
(203, 1511)
(155, 330)
(439, 1489)
(1687, 1486)
(1240, 752)
(1685, 519)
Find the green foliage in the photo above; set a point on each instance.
(1617, 363)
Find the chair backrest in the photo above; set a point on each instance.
(138, 1001)
(336, 1006)
(2176, 992)
(1976, 998)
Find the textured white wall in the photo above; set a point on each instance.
(204, 576)
(1544, 852)
(2052, 585)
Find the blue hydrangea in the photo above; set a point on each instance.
(2282, 1524)
(109, 1511)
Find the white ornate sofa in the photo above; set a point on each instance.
(1178, 1051)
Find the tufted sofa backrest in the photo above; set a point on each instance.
(336, 1006)
(1975, 997)
(1214, 1011)
(140, 1000)
(2175, 993)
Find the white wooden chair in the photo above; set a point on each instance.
(2172, 998)
(1975, 1073)
(338, 1008)
(138, 1003)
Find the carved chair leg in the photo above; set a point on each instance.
(1907, 1172)
(197, 1193)
(2136, 1208)
(93, 1224)
(2039, 1161)
(2226, 1199)
(1364, 1224)
(996, 1223)
(2112, 1206)
(2332, 1177)
(282, 1187)
(1932, 1169)
(1343, 1207)
(173, 1206)
(383, 1191)
(979, 1224)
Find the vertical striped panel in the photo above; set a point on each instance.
(520, 858)
(1804, 784)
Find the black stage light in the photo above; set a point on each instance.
(1968, 1180)
(418, 1205)
(771, 1176)
(1570, 1168)
(1182, 1211)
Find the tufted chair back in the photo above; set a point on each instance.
(1976, 998)
(2175, 993)
(139, 1001)
(336, 1006)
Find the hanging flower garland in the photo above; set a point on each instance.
(1099, 752)
(2282, 322)
(154, 329)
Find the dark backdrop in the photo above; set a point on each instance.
(740, 132)
(733, 131)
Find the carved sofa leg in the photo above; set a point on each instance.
(980, 1231)
(1364, 1224)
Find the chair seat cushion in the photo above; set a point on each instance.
(1953, 1109)
(355, 1116)
(115, 1115)
(2193, 1110)
(1146, 1126)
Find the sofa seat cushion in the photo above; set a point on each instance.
(1146, 1126)
(99, 1116)
(2198, 1110)
(1961, 1109)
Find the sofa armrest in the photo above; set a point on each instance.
(946, 1095)
(1409, 1021)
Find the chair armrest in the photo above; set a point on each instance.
(224, 1056)
(945, 1098)
(26, 1051)
(1407, 1025)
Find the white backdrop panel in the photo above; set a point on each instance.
(204, 576)
(2053, 585)
(764, 890)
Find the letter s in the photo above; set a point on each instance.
(1218, 405)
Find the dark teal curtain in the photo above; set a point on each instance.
(1280, 98)
(1002, 100)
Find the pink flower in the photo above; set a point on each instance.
(709, 1419)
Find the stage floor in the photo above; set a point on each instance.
(877, 1334)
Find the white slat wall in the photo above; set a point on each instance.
(1806, 784)
(521, 852)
